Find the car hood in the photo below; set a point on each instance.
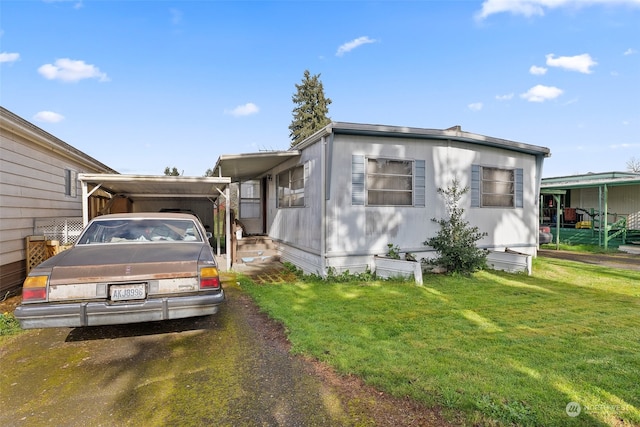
(123, 262)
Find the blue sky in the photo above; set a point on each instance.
(141, 85)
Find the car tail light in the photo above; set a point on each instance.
(209, 278)
(34, 288)
(545, 229)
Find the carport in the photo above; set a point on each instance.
(110, 187)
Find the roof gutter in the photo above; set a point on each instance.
(454, 134)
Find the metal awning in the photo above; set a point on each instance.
(157, 186)
(243, 167)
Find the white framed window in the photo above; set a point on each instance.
(498, 187)
(387, 182)
(290, 184)
(493, 187)
(250, 201)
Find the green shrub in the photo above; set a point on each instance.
(394, 251)
(455, 243)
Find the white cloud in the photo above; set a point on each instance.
(581, 63)
(630, 52)
(68, 70)
(541, 93)
(243, 110)
(9, 57)
(476, 106)
(530, 8)
(537, 71)
(504, 97)
(48, 117)
(349, 46)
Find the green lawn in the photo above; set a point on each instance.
(498, 348)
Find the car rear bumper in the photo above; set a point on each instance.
(74, 315)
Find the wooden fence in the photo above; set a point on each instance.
(40, 249)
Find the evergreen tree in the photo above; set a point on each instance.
(310, 113)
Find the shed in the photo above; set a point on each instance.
(340, 197)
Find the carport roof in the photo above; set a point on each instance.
(242, 167)
(157, 185)
(591, 180)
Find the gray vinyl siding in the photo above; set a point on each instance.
(299, 227)
(32, 185)
(355, 232)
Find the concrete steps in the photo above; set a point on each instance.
(256, 249)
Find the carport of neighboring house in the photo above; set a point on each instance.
(149, 193)
(595, 208)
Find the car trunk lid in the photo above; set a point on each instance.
(125, 263)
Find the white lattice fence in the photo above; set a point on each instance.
(64, 230)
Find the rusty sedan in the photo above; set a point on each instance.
(125, 268)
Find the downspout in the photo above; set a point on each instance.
(227, 214)
(323, 208)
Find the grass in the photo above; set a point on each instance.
(495, 348)
(9, 325)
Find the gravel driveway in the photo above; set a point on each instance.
(613, 260)
(230, 369)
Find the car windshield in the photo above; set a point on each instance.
(140, 230)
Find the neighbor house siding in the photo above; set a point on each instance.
(623, 200)
(32, 185)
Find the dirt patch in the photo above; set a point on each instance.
(9, 304)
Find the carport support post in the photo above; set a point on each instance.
(606, 217)
(558, 213)
(227, 214)
(85, 204)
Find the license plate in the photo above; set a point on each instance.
(127, 292)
